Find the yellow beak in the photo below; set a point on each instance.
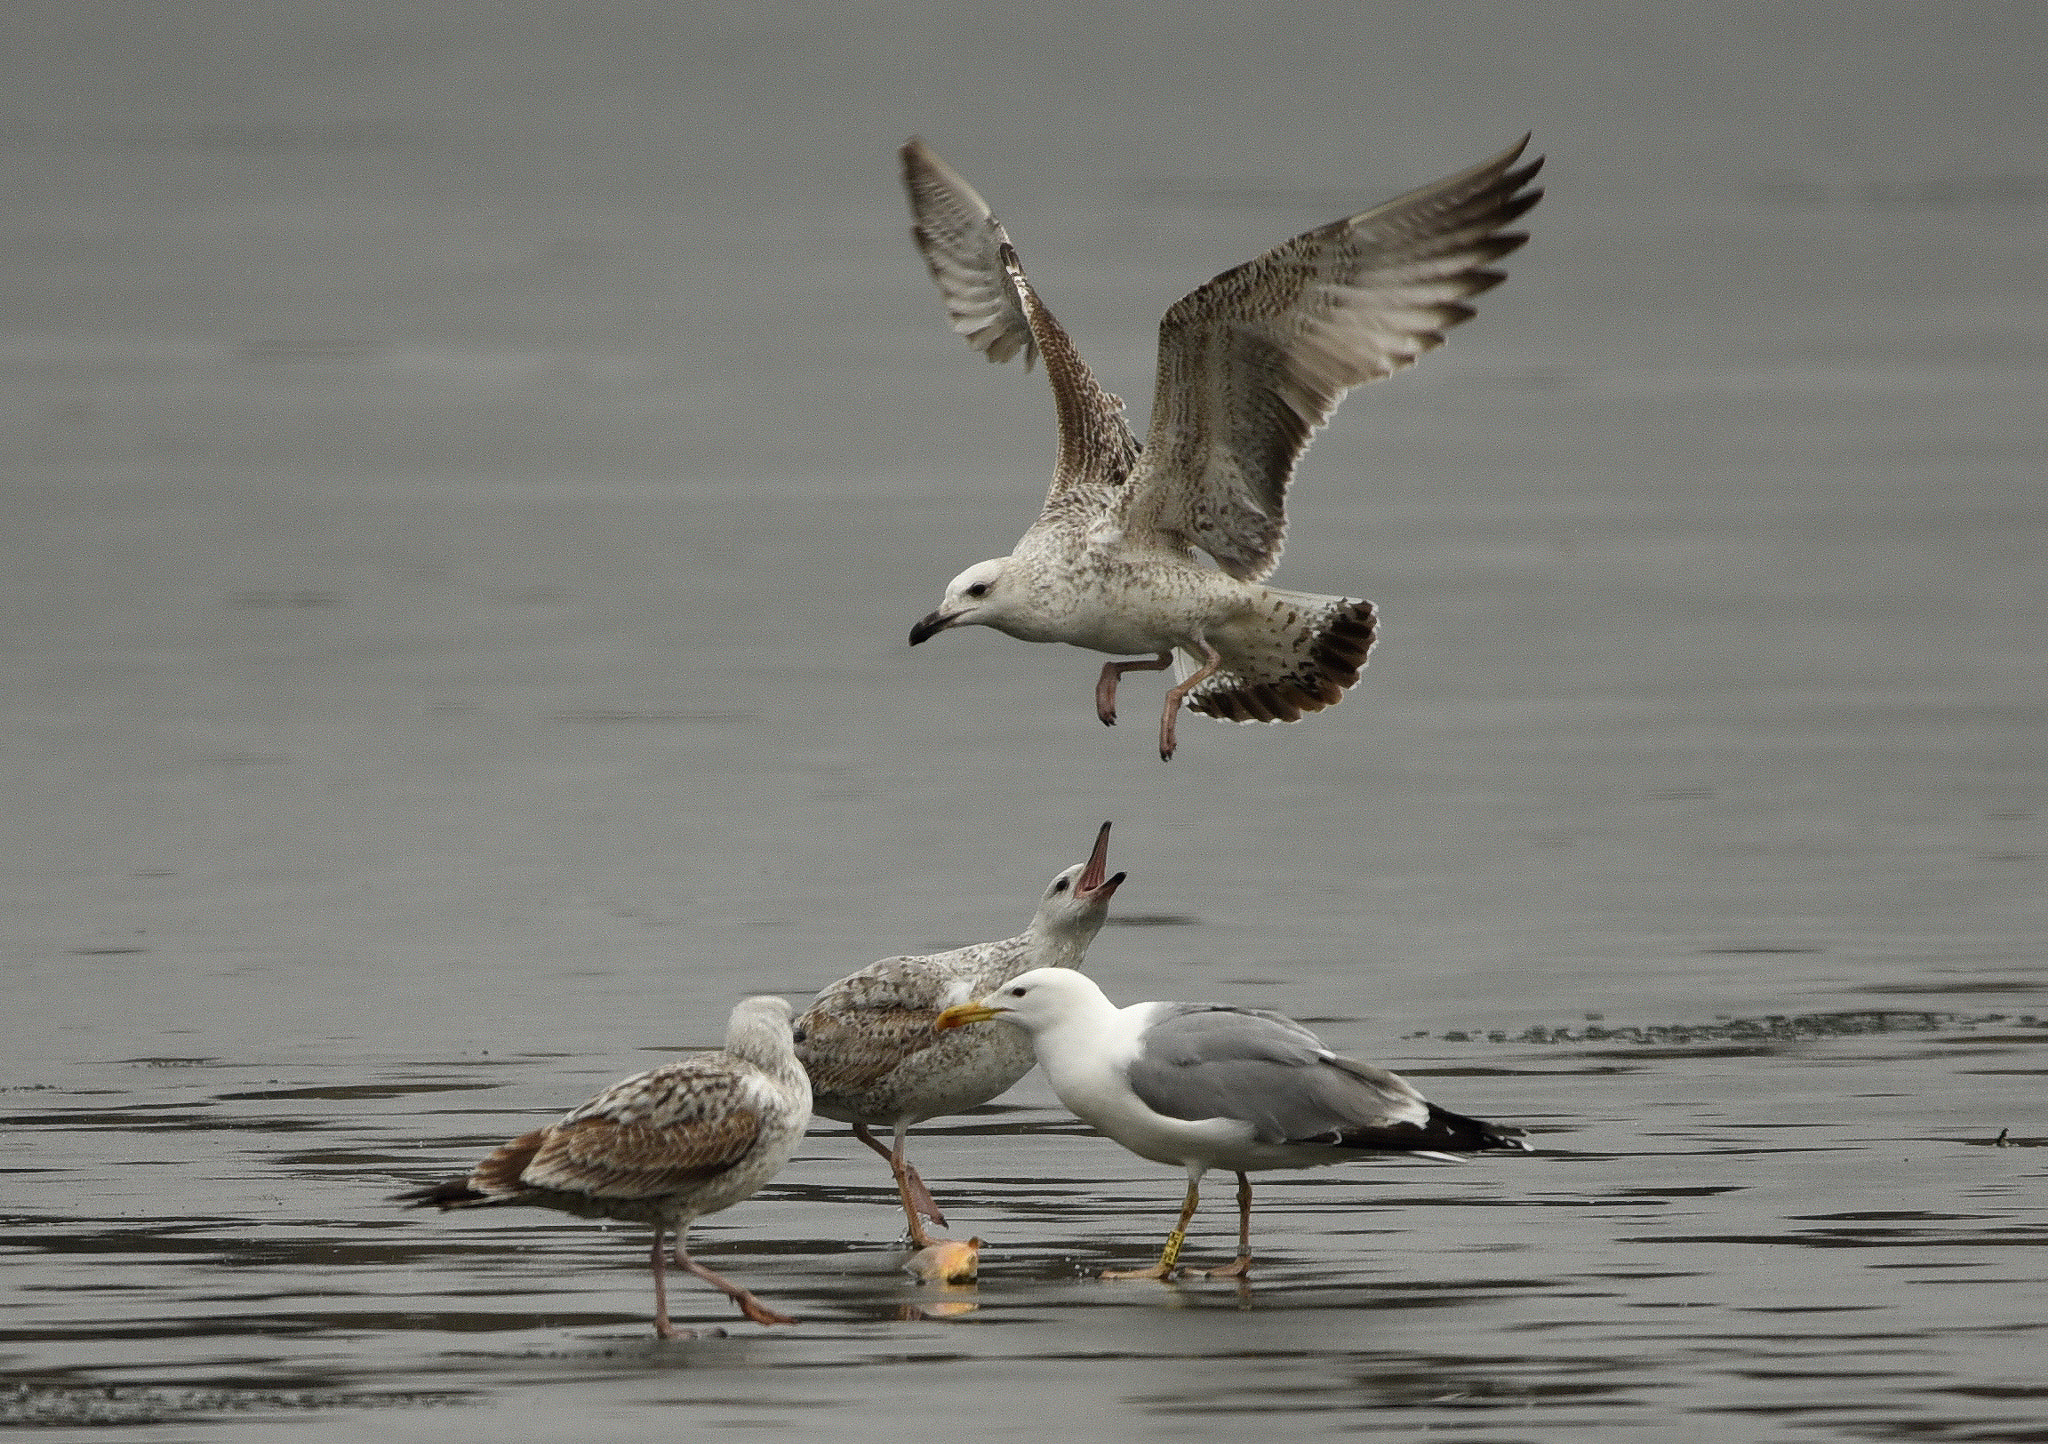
(962, 1014)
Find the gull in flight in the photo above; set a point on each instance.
(874, 1057)
(1205, 1085)
(663, 1147)
(1250, 365)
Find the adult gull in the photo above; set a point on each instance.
(1206, 1085)
(1250, 365)
(663, 1147)
(874, 1057)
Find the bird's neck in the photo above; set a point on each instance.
(1080, 1048)
(1050, 947)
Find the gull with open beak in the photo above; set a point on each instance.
(875, 1059)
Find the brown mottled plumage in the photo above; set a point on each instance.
(662, 1147)
(1250, 365)
(874, 1058)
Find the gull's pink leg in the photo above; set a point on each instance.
(1242, 1266)
(1105, 685)
(1179, 695)
(661, 1324)
(752, 1307)
(917, 1199)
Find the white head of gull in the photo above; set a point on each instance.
(1250, 365)
(1206, 1085)
(874, 1057)
(663, 1147)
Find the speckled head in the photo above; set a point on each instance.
(758, 1031)
(1077, 901)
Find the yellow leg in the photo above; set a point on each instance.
(1170, 1255)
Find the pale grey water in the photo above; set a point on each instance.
(466, 485)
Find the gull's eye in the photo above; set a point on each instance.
(979, 589)
(1060, 886)
(799, 1035)
(1018, 992)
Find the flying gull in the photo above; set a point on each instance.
(663, 1147)
(1206, 1085)
(874, 1057)
(1250, 365)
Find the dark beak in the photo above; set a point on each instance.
(930, 627)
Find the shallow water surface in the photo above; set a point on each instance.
(1750, 1228)
(466, 490)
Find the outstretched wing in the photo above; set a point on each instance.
(993, 305)
(961, 242)
(1253, 362)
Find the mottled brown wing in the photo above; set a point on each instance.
(1253, 362)
(497, 1177)
(961, 242)
(607, 1159)
(992, 304)
(650, 1135)
(851, 1049)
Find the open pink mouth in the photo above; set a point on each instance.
(1092, 885)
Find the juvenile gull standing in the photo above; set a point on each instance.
(1205, 1085)
(874, 1057)
(1250, 365)
(663, 1147)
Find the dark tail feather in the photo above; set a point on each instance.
(495, 1180)
(1337, 650)
(1446, 1132)
(455, 1193)
(1470, 1135)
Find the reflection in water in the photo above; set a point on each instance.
(464, 490)
(1628, 1266)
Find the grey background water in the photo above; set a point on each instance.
(468, 475)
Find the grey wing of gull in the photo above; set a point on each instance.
(1251, 363)
(994, 306)
(1200, 1060)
